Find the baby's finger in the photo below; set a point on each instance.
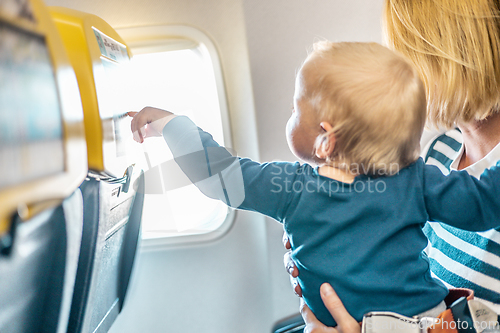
(142, 133)
(135, 135)
(132, 113)
(133, 123)
(132, 126)
(290, 265)
(137, 126)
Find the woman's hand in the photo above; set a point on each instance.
(290, 266)
(149, 122)
(345, 323)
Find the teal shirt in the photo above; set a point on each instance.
(364, 238)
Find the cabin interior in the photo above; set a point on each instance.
(197, 266)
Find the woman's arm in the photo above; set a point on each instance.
(345, 322)
(290, 266)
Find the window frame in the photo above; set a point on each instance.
(160, 38)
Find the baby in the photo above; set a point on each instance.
(354, 220)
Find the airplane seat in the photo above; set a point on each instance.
(105, 261)
(43, 160)
(131, 240)
(38, 269)
(113, 193)
(90, 192)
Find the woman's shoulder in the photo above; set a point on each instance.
(443, 149)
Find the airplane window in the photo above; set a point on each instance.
(181, 81)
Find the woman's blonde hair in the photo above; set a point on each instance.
(455, 45)
(374, 100)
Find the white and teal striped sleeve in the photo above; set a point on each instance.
(460, 258)
(461, 200)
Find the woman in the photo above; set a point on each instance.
(455, 45)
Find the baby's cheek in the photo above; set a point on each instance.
(294, 141)
(288, 131)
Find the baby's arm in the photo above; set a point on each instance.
(238, 182)
(462, 200)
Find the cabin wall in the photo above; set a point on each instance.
(279, 34)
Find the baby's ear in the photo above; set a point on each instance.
(326, 141)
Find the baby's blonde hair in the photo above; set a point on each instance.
(455, 46)
(374, 100)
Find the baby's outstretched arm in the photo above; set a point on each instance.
(149, 122)
(238, 182)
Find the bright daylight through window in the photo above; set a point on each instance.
(181, 81)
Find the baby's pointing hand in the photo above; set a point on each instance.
(149, 122)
